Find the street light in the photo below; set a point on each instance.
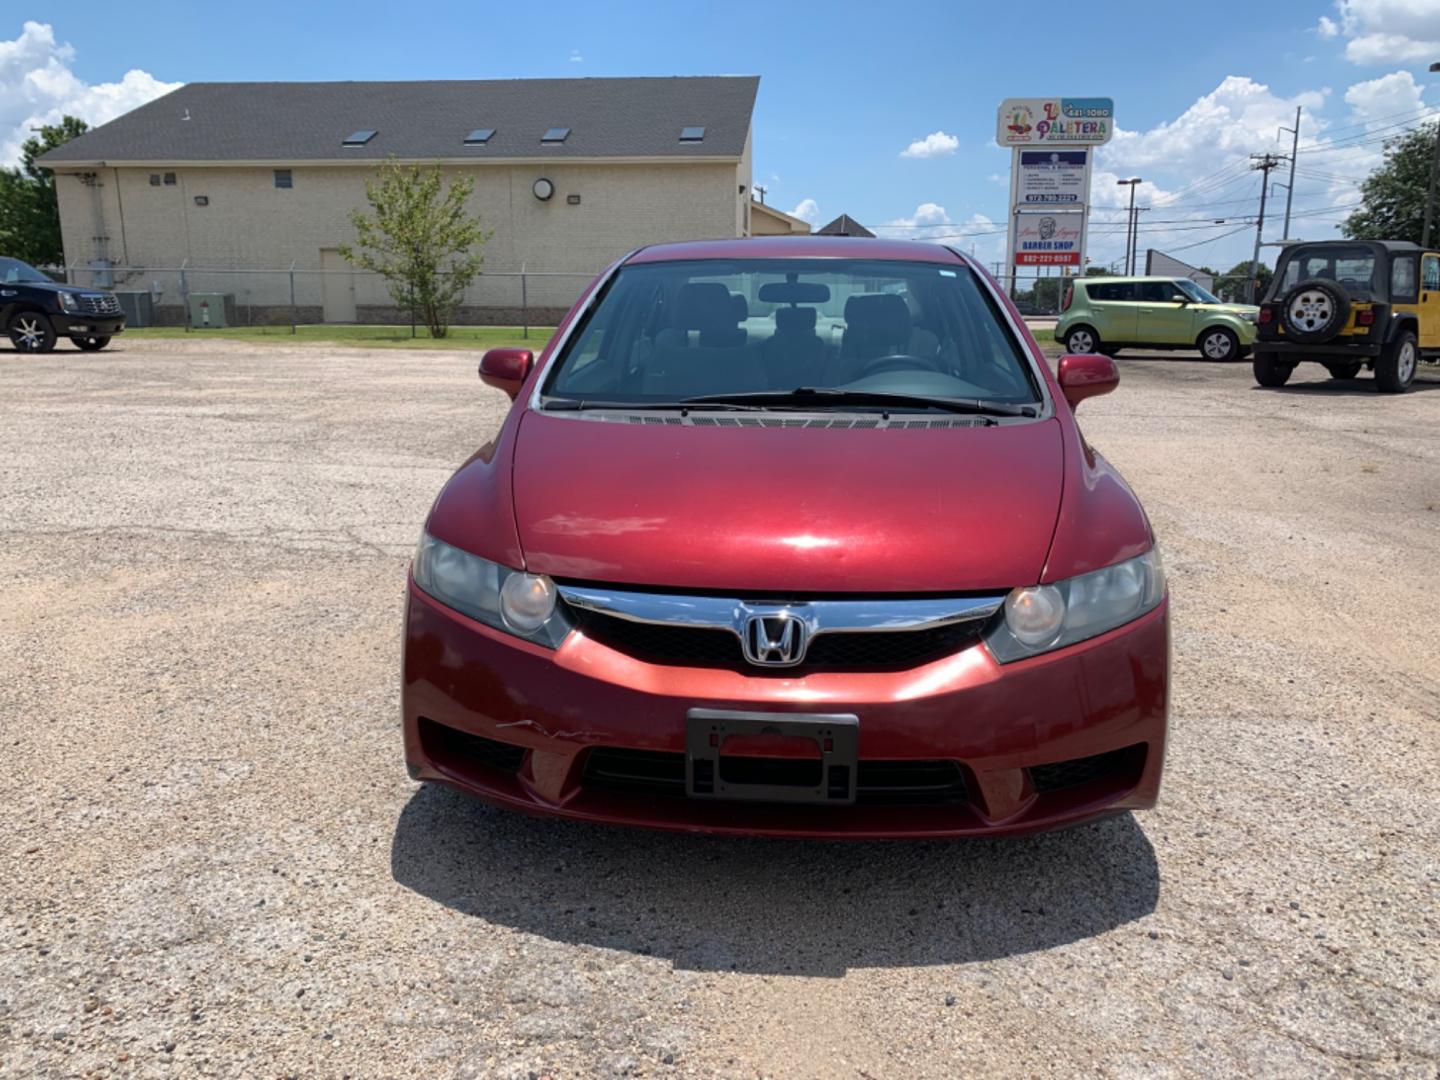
(1129, 221)
(1434, 168)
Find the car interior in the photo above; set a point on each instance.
(659, 334)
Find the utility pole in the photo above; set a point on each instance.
(1294, 151)
(1434, 168)
(1135, 240)
(761, 189)
(1129, 219)
(1264, 163)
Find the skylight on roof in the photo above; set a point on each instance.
(692, 134)
(479, 137)
(555, 135)
(358, 138)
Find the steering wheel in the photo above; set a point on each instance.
(894, 362)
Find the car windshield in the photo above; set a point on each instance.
(1195, 292)
(668, 332)
(1351, 266)
(13, 270)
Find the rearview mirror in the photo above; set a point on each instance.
(1086, 375)
(506, 369)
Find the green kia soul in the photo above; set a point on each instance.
(1107, 314)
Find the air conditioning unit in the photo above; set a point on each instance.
(139, 308)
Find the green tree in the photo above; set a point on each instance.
(1235, 280)
(420, 238)
(1392, 198)
(29, 214)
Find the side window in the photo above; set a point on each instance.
(1430, 273)
(1112, 290)
(1155, 292)
(1402, 278)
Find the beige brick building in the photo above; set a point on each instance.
(224, 178)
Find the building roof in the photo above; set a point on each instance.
(308, 121)
(844, 225)
(797, 225)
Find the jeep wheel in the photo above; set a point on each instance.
(1315, 310)
(1218, 343)
(1395, 368)
(91, 344)
(31, 331)
(1271, 371)
(1345, 371)
(1082, 340)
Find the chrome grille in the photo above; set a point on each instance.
(850, 634)
(689, 646)
(99, 304)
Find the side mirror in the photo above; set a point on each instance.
(506, 369)
(1086, 375)
(1180, 298)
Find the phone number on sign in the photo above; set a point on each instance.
(1047, 258)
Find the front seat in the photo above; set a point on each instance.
(879, 324)
(794, 355)
(704, 349)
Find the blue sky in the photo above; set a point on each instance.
(846, 88)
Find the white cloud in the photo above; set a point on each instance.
(807, 210)
(1386, 97)
(1196, 167)
(1385, 31)
(1240, 116)
(936, 144)
(575, 57)
(37, 86)
(931, 222)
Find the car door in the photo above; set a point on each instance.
(1162, 318)
(1113, 304)
(1429, 307)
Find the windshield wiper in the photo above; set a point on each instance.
(558, 404)
(829, 395)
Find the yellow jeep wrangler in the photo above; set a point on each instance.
(1350, 304)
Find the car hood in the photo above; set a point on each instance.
(776, 509)
(1229, 309)
(55, 287)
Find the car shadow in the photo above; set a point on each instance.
(1364, 387)
(773, 906)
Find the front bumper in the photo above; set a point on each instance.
(522, 726)
(72, 325)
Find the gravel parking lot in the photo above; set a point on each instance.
(215, 864)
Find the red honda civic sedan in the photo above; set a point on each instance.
(793, 536)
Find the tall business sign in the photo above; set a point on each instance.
(1052, 143)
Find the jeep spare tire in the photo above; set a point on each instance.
(1314, 311)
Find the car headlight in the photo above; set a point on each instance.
(1250, 316)
(518, 603)
(1039, 618)
(68, 302)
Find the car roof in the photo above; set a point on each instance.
(1340, 241)
(797, 247)
(1147, 277)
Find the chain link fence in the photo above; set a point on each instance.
(199, 296)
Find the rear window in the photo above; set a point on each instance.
(1349, 266)
(668, 331)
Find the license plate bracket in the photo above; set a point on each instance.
(828, 776)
